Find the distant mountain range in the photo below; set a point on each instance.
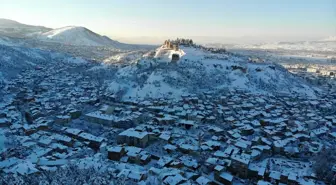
(12, 28)
(73, 35)
(70, 35)
(322, 45)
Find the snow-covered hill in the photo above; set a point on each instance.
(80, 36)
(73, 35)
(200, 71)
(15, 29)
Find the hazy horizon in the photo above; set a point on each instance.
(149, 22)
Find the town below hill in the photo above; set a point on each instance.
(79, 108)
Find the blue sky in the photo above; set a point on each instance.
(282, 19)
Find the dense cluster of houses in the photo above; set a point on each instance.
(197, 139)
(323, 74)
(241, 133)
(38, 116)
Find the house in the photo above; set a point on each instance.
(225, 178)
(187, 124)
(136, 176)
(35, 112)
(133, 138)
(63, 139)
(74, 114)
(188, 148)
(264, 149)
(45, 141)
(291, 151)
(166, 136)
(189, 162)
(292, 179)
(47, 162)
(240, 164)
(165, 120)
(145, 158)
(31, 129)
(62, 119)
(212, 145)
(215, 130)
(164, 161)
(284, 177)
(24, 168)
(176, 164)
(253, 171)
(246, 130)
(100, 118)
(217, 171)
(242, 144)
(115, 153)
(112, 120)
(134, 154)
(274, 176)
(174, 179)
(4, 122)
(169, 148)
(131, 175)
(261, 173)
(72, 132)
(203, 181)
(211, 163)
(94, 141)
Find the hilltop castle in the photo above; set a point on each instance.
(171, 45)
(174, 44)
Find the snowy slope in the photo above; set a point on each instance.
(125, 58)
(15, 29)
(73, 35)
(199, 71)
(6, 41)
